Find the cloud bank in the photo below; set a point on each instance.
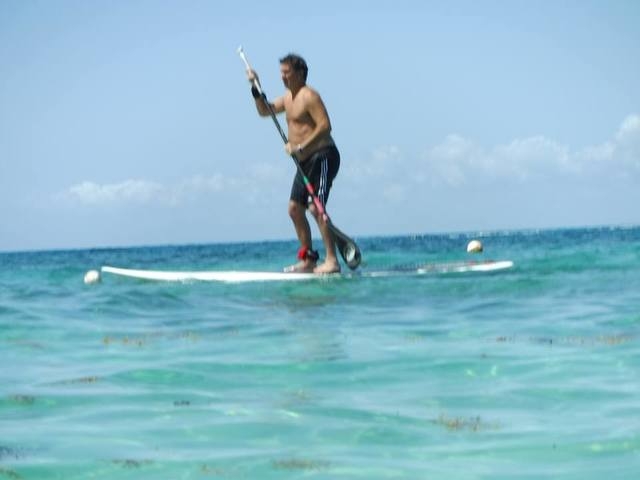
(455, 163)
(190, 189)
(128, 191)
(458, 161)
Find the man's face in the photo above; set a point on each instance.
(289, 75)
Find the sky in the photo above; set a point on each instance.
(129, 123)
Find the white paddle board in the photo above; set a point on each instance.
(237, 276)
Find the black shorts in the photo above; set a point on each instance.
(320, 168)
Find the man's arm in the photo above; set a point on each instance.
(277, 106)
(261, 103)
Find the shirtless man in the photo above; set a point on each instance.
(311, 143)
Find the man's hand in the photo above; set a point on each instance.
(252, 76)
(292, 149)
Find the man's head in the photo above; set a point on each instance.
(293, 65)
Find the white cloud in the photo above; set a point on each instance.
(628, 142)
(91, 193)
(460, 170)
(382, 161)
(449, 160)
(194, 186)
(458, 161)
(260, 181)
(620, 156)
(630, 129)
(136, 191)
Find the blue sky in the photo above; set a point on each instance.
(131, 123)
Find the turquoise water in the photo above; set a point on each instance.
(530, 373)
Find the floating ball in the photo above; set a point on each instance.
(474, 246)
(92, 276)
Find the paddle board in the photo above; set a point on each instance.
(237, 276)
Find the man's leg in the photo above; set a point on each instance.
(330, 264)
(297, 212)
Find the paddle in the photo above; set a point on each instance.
(346, 246)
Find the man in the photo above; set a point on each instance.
(311, 143)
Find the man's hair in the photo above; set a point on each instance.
(297, 63)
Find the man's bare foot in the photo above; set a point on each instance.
(303, 266)
(327, 267)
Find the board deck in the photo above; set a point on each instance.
(237, 276)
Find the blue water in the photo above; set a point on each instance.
(526, 374)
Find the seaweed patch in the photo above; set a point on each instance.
(88, 379)
(296, 398)
(471, 424)
(213, 471)
(300, 464)
(608, 340)
(28, 343)
(22, 399)
(415, 338)
(131, 463)
(144, 340)
(7, 473)
(10, 452)
(128, 341)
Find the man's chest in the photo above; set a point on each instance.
(296, 111)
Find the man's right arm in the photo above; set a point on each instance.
(261, 103)
(277, 106)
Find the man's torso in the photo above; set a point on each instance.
(301, 124)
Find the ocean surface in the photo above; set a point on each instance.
(530, 373)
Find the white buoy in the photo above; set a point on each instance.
(92, 276)
(474, 246)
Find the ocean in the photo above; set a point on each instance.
(529, 373)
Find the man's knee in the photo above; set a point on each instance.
(313, 210)
(295, 210)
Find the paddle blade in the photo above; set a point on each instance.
(348, 249)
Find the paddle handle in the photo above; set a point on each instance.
(243, 56)
(256, 83)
